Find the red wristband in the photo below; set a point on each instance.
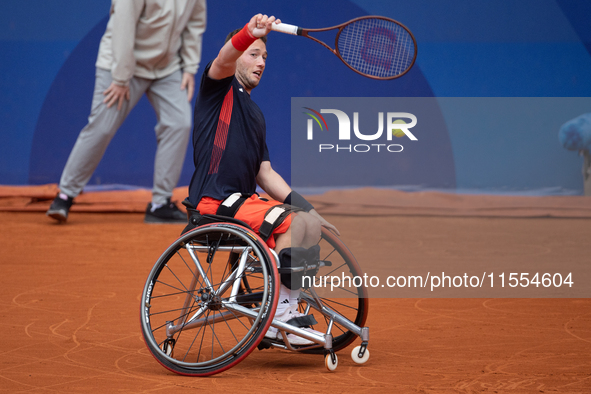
(242, 40)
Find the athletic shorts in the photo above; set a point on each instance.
(252, 212)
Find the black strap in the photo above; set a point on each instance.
(296, 199)
(273, 219)
(232, 204)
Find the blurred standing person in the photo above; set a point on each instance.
(152, 47)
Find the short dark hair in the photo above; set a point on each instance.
(234, 32)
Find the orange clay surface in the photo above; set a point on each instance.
(69, 305)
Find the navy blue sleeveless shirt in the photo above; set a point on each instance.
(229, 140)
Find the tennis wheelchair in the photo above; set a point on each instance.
(212, 295)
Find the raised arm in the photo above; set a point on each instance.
(224, 64)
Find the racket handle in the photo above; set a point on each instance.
(286, 28)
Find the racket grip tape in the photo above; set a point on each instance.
(287, 29)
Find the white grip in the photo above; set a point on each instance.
(285, 28)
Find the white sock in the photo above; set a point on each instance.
(293, 299)
(284, 300)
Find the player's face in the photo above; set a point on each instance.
(250, 66)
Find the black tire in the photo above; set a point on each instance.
(222, 335)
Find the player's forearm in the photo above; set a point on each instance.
(278, 192)
(272, 183)
(224, 64)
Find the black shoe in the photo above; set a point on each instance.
(59, 208)
(168, 213)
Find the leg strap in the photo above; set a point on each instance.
(232, 204)
(273, 219)
(295, 257)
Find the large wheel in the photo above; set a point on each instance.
(347, 300)
(209, 299)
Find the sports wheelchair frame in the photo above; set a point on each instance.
(211, 297)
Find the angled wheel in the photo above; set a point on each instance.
(331, 361)
(209, 299)
(347, 300)
(355, 355)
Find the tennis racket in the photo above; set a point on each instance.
(373, 46)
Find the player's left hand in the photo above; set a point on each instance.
(188, 82)
(324, 223)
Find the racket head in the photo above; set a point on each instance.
(376, 47)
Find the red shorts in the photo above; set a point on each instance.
(252, 212)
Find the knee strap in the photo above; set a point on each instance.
(295, 257)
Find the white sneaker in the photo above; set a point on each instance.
(273, 333)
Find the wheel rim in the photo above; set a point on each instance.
(207, 332)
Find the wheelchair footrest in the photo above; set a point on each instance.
(302, 321)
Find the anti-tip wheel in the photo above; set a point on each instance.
(329, 364)
(355, 355)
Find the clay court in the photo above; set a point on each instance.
(70, 299)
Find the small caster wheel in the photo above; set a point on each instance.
(167, 347)
(330, 364)
(355, 355)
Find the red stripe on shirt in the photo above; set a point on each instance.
(221, 133)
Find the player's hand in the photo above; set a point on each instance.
(324, 223)
(188, 83)
(260, 25)
(116, 94)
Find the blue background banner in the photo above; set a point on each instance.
(466, 49)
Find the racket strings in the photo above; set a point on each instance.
(376, 47)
